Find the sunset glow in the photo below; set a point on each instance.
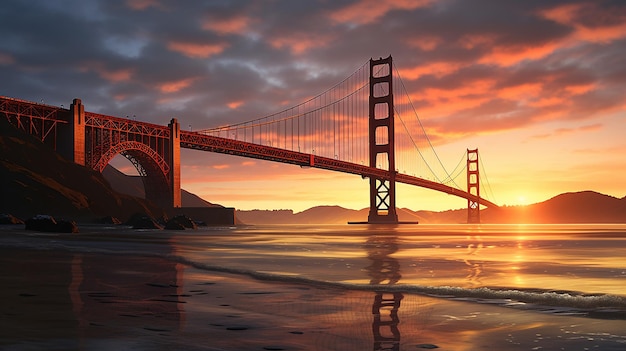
(538, 88)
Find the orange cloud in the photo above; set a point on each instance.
(299, 43)
(471, 41)
(437, 69)
(521, 92)
(613, 26)
(506, 56)
(580, 89)
(116, 76)
(234, 25)
(194, 50)
(547, 102)
(113, 76)
(563, 131)
(222, 166)
(234, 104)
(426, 43)
(120, 97)
(172, 87)
(605, 34)
(368, 11)
(563, 14)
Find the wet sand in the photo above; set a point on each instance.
(59, 300)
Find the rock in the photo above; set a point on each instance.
(109, 220)
(6, 218)
(146, 223)
(42, 223)
(64, 226)
(143, 221)
(174, 225)
(201, 223)
(180, 222)
(47, 223)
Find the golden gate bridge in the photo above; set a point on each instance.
(365, 125)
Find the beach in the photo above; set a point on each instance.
(103, 291)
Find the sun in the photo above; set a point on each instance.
(522, 200)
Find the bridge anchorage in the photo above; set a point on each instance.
(356, 127)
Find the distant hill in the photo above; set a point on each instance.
(575, 207)
(133, 185)
(579, 207)
(34, 179)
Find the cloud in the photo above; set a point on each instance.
(590, 22)
(142, 4)
(234, 25)
(368, 11)
(562, 131)
(172, 87)
(6, 59)
(197, 50)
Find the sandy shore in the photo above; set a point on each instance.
(55, 300)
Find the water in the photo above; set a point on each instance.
(566, 266)
(518, 287)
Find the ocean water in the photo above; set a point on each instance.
(557, 270)
(565, 266)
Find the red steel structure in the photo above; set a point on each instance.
(92, 140)
(381, 142)
(473, 187)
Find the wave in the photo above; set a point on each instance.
(556, 302)
(546, 301)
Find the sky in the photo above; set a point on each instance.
(537, 86)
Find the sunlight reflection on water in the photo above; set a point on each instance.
(585, 258)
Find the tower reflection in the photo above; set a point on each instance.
(384, 270)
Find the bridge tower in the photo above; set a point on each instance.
(174, 162)
(73, 147)
(473, 187)
(381, 142)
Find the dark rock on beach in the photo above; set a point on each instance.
(109, 220)
(180, 222)
(174, 225)
(46, 223)
(143, 221)
(6, 218)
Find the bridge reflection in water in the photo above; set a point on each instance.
(84, 300)
(384, 269)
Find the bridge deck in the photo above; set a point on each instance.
(210, 143)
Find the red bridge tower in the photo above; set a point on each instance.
(473, 186)
(381, 142)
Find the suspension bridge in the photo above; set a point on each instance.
(365, 125)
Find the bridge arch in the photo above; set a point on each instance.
(152, 168)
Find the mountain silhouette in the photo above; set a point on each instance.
(576, 207)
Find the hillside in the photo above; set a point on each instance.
(133, 186)
(575, 207)
(579, 207)
(35, 179)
